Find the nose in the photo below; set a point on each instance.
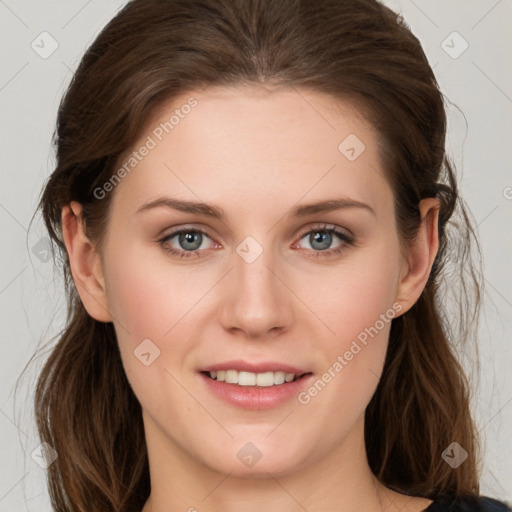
(258, 302)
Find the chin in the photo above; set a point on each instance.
(256, 459)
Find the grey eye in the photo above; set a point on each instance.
(190, 240)
(320, 240)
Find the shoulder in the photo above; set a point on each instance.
(468, 504)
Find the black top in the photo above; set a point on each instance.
(469, 504)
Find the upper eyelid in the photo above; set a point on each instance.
(324, 226)
(185, 228)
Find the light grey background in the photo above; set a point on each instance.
(478, 82)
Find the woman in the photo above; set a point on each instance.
(252, 203)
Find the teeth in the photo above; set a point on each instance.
(279, 377)
(241, 378)
(232, 376)
(265, 379)
(248, 379)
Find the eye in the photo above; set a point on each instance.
(189, 241)
(321, 237)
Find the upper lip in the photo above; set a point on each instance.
(261, 367)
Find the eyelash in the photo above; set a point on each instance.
(347, 240)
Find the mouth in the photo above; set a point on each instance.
(262, 380)
(255, 385)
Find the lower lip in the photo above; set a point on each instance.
(255, 397)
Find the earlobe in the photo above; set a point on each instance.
(85, 263)
(421, 255)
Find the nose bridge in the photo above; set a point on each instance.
(258, 301)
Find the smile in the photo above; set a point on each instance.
(243, 378)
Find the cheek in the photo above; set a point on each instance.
(363, 299)
(358, 306)
(148, 295)
(351, 298)
(150, 302)
(153, 299)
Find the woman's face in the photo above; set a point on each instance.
(265, 288)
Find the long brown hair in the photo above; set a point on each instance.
(357, 50)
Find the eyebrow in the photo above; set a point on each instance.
(215, 212)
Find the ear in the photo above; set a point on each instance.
(420, 255)
(85, 263)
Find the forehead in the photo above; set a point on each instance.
(254, 143)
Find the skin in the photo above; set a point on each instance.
(256, 153)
